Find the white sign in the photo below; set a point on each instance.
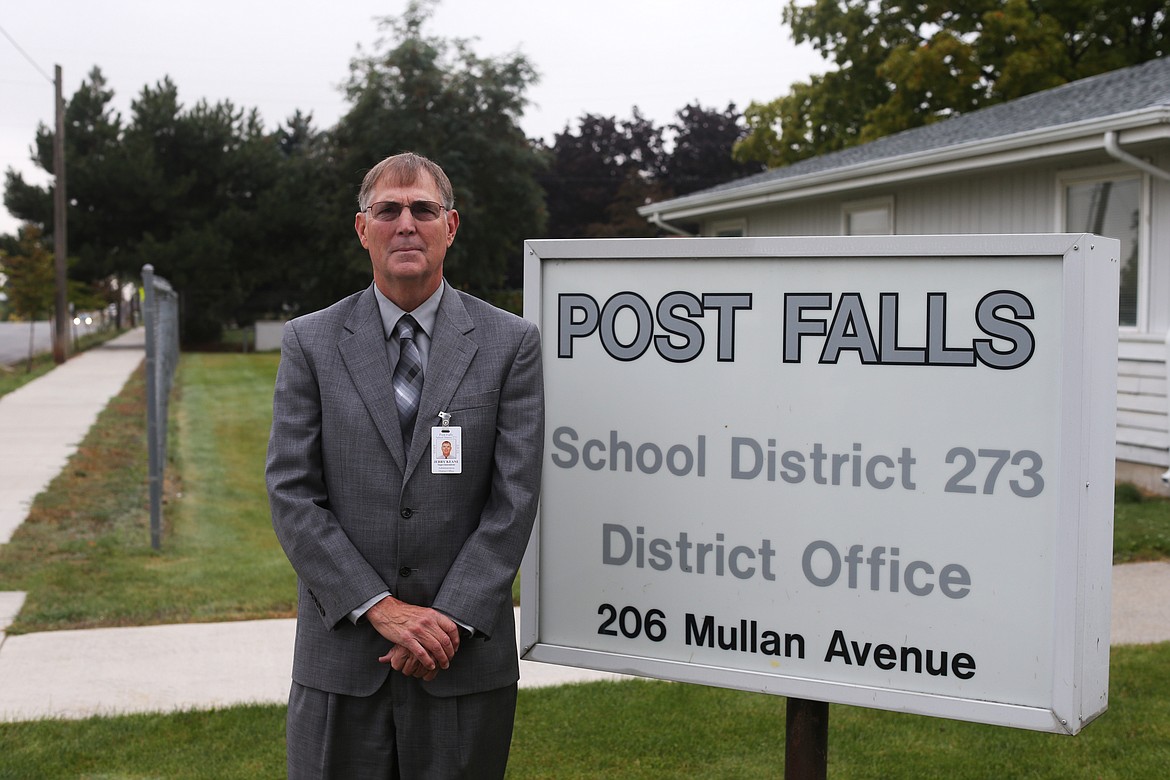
(867, 470)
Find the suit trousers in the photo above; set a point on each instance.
(399, 732)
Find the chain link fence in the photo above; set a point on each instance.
(161, 318)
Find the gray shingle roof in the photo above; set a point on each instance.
(1117, 92)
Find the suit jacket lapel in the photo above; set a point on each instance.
(364, 354)
(451, 353)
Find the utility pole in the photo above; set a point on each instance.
(61, 336)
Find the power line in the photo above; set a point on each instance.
(31, 61)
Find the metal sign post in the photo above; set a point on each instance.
(806, 740)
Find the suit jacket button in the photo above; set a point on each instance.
(407, 513)
(404, 571)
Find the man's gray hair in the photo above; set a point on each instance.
(402, 170)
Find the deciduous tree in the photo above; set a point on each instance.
(701, 142)
(604, 169)
(600, 173)
(29, 280)
(903, 65)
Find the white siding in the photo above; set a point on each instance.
(1143, 432)
(806, 218)
(1019, 202)
(1024, 199)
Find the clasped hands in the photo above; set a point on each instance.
(425, 640)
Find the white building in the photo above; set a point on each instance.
(1092, 155)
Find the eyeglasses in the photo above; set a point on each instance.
(389, 211)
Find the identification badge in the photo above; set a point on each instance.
(447, 449)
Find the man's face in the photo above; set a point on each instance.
(407, 254)
(446, 447)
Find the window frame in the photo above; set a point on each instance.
(729, 228)
(852, 207)
(1100, 173)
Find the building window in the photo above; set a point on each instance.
(868, 217)
(1111, 206)
(729, 228)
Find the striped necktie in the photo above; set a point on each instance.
(408, 377)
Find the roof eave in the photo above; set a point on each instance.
(1061, 140)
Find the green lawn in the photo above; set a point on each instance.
(663, 730)
(84, 554)
(647, 730)
(243, 742)
(1141, 527)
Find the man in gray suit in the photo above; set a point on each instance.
(405, 662)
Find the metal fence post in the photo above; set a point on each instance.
(155, 462)
(161, 320)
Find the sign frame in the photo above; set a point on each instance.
(1080, 624)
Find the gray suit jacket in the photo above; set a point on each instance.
(357, 515)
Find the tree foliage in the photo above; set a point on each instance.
(248, 223)
(701, 149)
(903, 65)
(601, 172)
(436, 97)
(29, 280)
(175, 187)
(29, 276)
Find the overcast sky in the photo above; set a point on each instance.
(595, 56)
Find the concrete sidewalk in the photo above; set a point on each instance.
(42, 423)
(109, 671)
(76, 674)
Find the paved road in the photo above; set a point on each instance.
(14, 340)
